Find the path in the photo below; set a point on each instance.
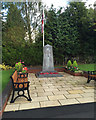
(48, 92)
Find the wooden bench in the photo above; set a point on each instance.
(20, 83)
(91, 76)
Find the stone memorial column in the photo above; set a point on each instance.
(48, 64)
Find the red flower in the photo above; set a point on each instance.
(41, 73)
(25, 68)
(47, 73)
(51, 73)
(55, 73)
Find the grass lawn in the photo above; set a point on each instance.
(87, 67)
(5, 77)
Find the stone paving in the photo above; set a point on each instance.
(57, 91)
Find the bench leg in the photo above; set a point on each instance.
(89, 79)
(29, 98)
(12, 99)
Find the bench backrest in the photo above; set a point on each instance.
(91, 72)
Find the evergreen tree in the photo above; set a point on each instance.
(13, 35)
(61, 34)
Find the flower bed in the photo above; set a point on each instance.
(48, 73)
(74, 73)
(38, 69)
(85, 74)
(73, 69)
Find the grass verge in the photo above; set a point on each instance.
(5, 77)
(87, 67)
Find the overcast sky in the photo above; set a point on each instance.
(64, 3)
(56, 3)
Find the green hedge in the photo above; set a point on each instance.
(31, 55)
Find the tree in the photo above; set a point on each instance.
(68, 36)
(30, 11)
(71, 33)
(50, 27)
(13, 35)
(83, 19)
(61, 34)
(14, 31)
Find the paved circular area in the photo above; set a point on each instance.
(57, 91)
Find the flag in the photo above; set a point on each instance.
(42, 23)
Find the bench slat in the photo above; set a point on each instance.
(14, 76)
(92, 75)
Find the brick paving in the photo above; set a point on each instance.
(57, 91)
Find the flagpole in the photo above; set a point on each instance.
(43, 26)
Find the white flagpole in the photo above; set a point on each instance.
(43, 26)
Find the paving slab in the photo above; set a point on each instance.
(75, 91)
(78, 88)
(56, 97)
(44, 94)
(12, 107)
(65, 88)
(49, 103)
(29, 105)
(60, 92)
(69, 101)
(50, 89)
(44, 98)
(91, 94)
(85, 99)
(69, 96)
(89, 90)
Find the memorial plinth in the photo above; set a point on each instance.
(48, 64)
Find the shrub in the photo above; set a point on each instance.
(69, 63)
(5, 67)
(75, 64)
